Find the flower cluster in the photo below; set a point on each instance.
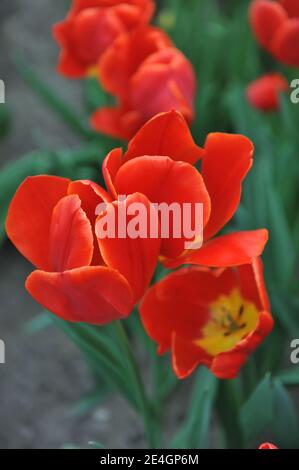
(276, 27)
(135, 62)
(275, 24)
(214, 312)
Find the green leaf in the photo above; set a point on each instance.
(101, 354)
(96, 445)
(285, 422)
(280, 238)
(289, 376)
(38, 323)
(90, 401)
(195, 430)
(257, 412)
(270, 409)
(285, 312)
(229, 399)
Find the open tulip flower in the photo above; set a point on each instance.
(159, 163)
(51, 222)
(91, 26)
(276, 27)
(147, 75)
(263, 93)
(215, 318)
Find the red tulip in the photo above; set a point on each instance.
(148, 76)
(264, 92)
(91, 26)
(51, 222)
(267, 446)
(276, 27)
(159, 163)
(207, 317)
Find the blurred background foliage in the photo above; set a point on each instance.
(262, 403)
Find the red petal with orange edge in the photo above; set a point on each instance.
(226, 161)
(166, 181)
(186, 357)
(164, 81)
(111, 165)
(29, 216)
(166, 134)
(228, 364)
(95, 295)
(91, 195)
(180, 303)
(136, 259)
(116, 122)
(266, 17)
(71, 239)
(233, 249)
(123, 58)
(69, 66)
(252, 284)
(285, 45)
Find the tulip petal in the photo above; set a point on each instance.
(122, 59)
(266, 17)
(264, 92)
(186, 356)
(180, 303)
(166, 181)
(164, 81)
(228, 364)
(233, 249)
(91, 195)
(69, 67)
(252, 284)
(111, 165)
(71, 239)
(29, 216)
(119, 123)
(285, 45)
(96, 295)
(226, 161)
(134, 258)
(166, 134)
(291, 6)
(267, 446)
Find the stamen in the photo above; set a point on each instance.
(241, 311)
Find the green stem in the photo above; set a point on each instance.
(145, 406)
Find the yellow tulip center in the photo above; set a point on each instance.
(232, 318)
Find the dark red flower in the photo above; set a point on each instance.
(91, 26)
(51, 221)
(147, 75)
(276, 27)
(264, 92)
(215, 318)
